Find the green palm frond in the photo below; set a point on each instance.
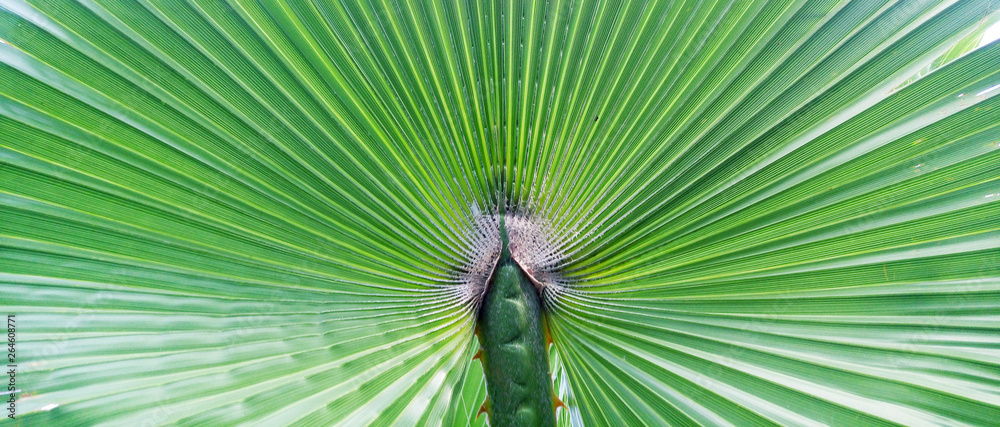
(258, 211)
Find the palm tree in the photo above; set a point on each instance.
(746, 212)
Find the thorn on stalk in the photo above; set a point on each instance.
(484, 408)
(557, 402)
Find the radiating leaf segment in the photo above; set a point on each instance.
(514, 356)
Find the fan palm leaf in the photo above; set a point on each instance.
(268, 212)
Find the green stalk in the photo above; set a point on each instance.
(514, 356)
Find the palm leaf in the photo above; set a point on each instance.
(253, 211)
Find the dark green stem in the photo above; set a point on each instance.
(514, 355)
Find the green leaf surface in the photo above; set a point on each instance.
(218, 212)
